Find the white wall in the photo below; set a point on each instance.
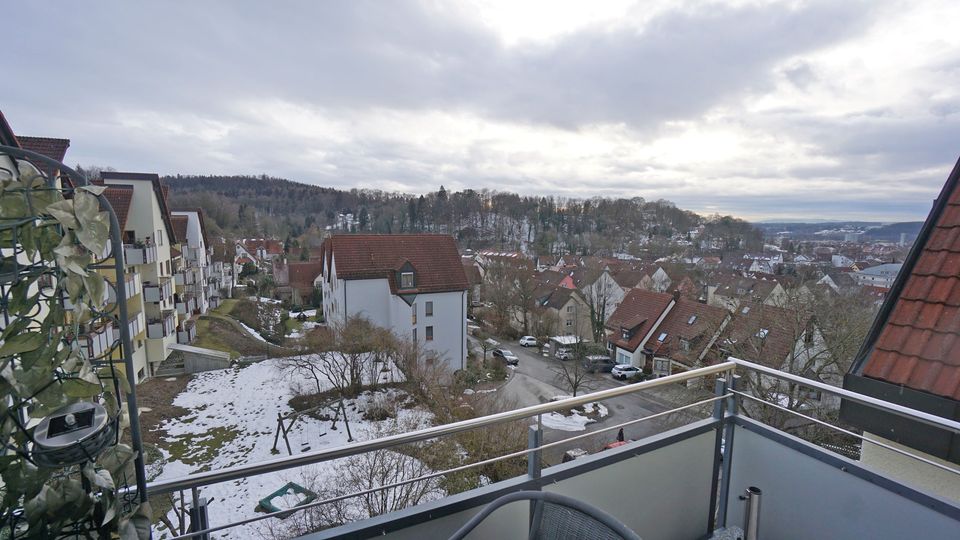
(910, 471)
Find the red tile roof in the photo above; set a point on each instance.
(52, 148)
(689, 321)
(918, 344)
(303, 273)
(119, 198)
(434, 258)
(180, 227)
(637, 313)
(763, 334)
(158, 190)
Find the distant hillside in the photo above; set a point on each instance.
(838, 230)
(250, 206)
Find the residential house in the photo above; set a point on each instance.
(412, 284)
(632, 325)
(567, 308)
(148, 238)
(882, 275)
(685, 336)
(259, 251)
(786, 340)
(600, 289)
(841, 261)
(197, 291)
(911, 358)
(729, 291)
(295, 280)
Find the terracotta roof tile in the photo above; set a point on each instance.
(637, 312)
(52, 148)
(119, 198)
(691, 322)
(180, 227)
(764, 334)
(434, 258)
(303, 273)
(918, 345)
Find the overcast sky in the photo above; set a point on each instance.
(753, 108)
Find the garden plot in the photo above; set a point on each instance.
(232, 420)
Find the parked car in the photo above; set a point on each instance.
(528, 341)
(564, 353)
(507, 356)
(598, 363)
(624, 371)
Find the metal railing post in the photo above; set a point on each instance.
(534, 440)
(198, 515)
(726, 454)
(719, 406)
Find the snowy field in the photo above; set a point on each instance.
(232, 421)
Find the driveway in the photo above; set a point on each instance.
(535, 381)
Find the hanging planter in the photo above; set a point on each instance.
(72, 435)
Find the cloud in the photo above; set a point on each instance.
(756, 108)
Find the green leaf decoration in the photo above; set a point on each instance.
(19, 343)
(93, 189)
(79, 388)
(63, 212)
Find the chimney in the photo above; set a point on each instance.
(676, 295)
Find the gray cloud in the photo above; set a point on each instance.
(135, 86)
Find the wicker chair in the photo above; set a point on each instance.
(557, 517)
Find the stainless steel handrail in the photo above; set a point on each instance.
(899, 410)
(318, 456)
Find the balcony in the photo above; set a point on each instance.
(132, 286)
(187, 333)
(185, 305)
(161, 328)
(157, 292)
(97, 343)
(139, 254)
(136, 325)
(686, 482)
(186, 276)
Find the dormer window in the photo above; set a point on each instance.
(662, 337)
(625, 334)
(406, 280)
(745, 310)
(692, 319)
(763, 333)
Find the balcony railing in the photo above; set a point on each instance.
(186, 305)
(97, 342)
(144, 254)
(157, 292)
(161, 328)
(683, 483)
(187, 333)
(185, 276)
(136, 325)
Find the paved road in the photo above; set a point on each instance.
(535, 381)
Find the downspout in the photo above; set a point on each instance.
(463, 339)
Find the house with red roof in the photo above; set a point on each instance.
(633, 323)
(412, 284)
(911, 357)
(685, 337)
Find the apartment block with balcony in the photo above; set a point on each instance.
(140, 203)
(194, 278)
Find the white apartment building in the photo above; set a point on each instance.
(412, 284)
(149, 239)
(882, 275)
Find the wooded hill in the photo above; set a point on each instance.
(262, 205)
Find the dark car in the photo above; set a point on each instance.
(598, 363)
(507, 356)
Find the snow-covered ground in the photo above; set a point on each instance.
(253, 332)
(575, 421)
(307, 326)
(232, 421)
(263, 299)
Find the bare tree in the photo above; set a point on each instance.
(601, 295)
(573, 373)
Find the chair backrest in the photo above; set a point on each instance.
(557, 516)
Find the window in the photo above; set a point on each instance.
(406, 280)
(569, 323)
(413, 314)
(763, 333)
(808, 338)
(685, 345)
(159, 237)
(140, 374)
(745, 310)
(569, 309)
(414, 335)
(428, 309)
(692, 319)
(623, 358)
(662, 337)
(429, 334)
(661, 365)
(625, 334)
(808, 393)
